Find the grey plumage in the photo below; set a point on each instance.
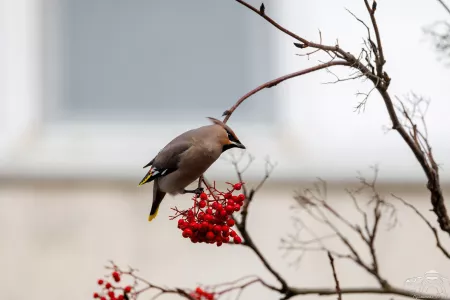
(186, 158)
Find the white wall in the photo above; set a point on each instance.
(56, 238)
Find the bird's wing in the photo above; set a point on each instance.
(177, 145)
(166, 161)
(149, 164)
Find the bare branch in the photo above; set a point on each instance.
(276, 81)
(338, 288)
(315, 201)
(379, 52)
(248, 242)
(435, 232)
(361, 291)
(445, 6)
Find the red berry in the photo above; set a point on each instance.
(187, 233)
(203, 196)
(214, 205)
(209, 211)
(111, 294)
(195, 296)
(230, 202)
(217, 228)
(201, 216)
(103, 298)
(202, 204)
(219, 244)
(115, 274)
(210, 235)
(225, 233)
(232, 233)
(127, 289)
(229, 209)
(120, 297)
(237, 207)
(208, 218)
(199, 291)
(108, 285)
(225, 228)
(205, 226)
(237, 186)
(95, 295)
(117, 278)
(219, 206)
(100, 281)
(230, 222)
(237, 240)
(241, 197)
(209, 296)
(181, 223)
(226, 239)
(223, 212)
(227, 196)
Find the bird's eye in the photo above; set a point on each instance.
(230, 137)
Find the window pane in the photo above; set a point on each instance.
(144, 60)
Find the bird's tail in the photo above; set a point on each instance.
(158, 197)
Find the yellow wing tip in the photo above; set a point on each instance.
(151, 217)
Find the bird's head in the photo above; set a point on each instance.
(227, 137)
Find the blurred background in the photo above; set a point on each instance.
(91, 90)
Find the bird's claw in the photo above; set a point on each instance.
(197, 191)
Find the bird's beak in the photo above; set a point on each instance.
(238, 145)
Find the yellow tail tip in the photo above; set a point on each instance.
(151, 217)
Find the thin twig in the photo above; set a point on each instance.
(445, 6)
(338, 288)
(279, 80)
(435, 233)
(380, 61)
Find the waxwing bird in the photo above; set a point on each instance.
(186, 158)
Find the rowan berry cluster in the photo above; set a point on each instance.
(112, 292)
(200, 294)
(211, 217)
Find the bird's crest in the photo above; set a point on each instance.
(225, 126)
